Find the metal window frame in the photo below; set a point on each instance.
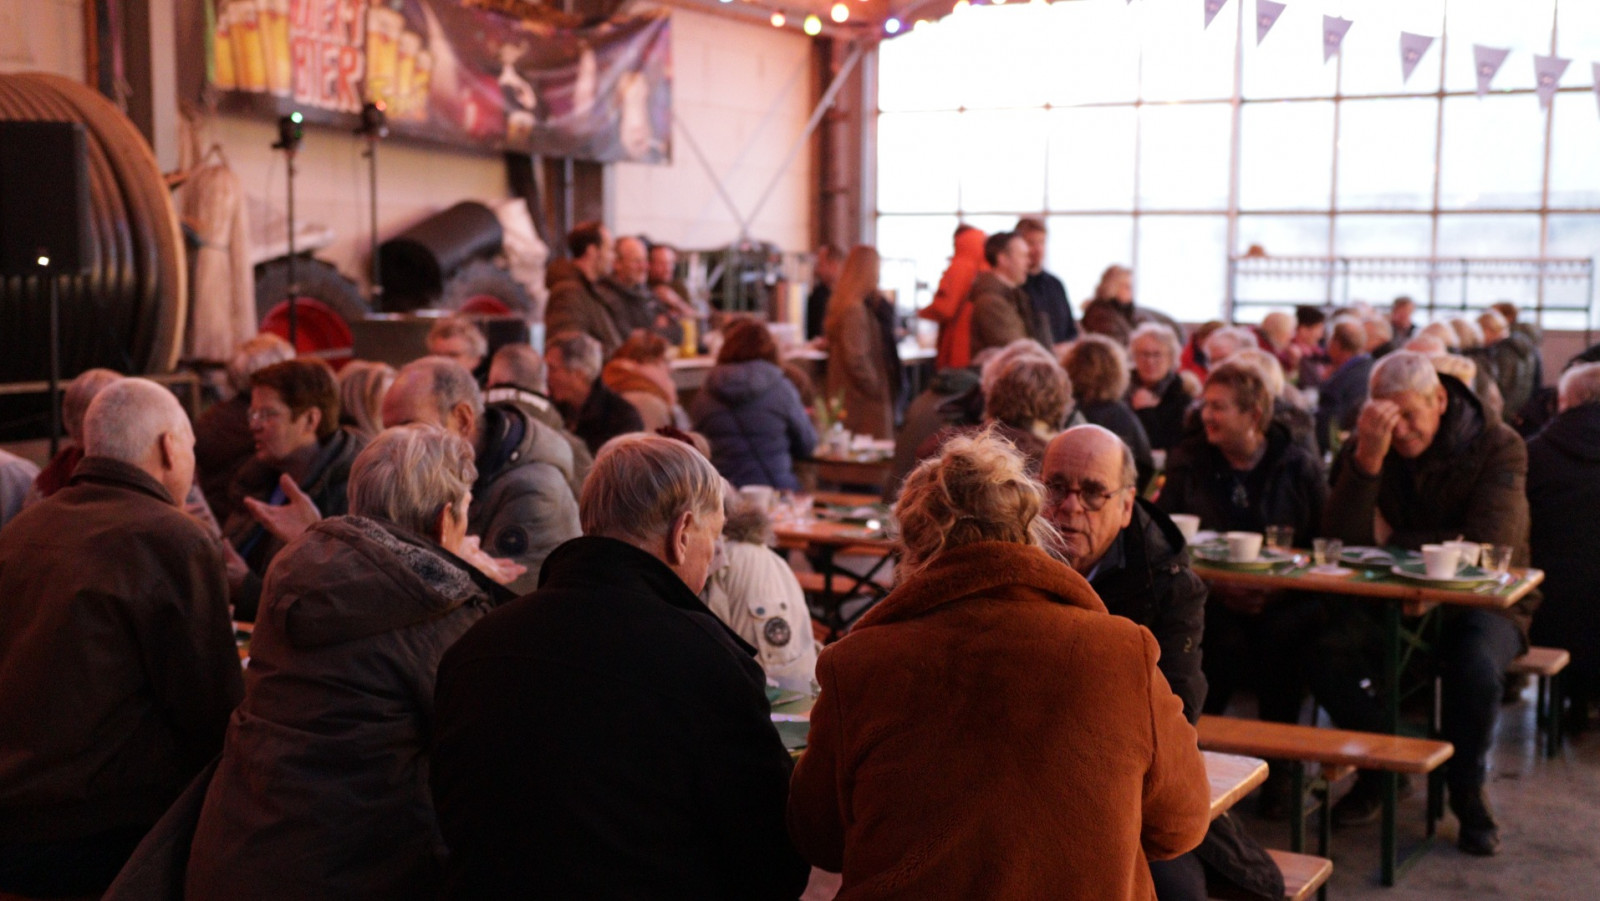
(1232, 209)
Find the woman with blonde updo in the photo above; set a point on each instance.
(988, 709)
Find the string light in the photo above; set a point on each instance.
(962, 6)
(839, 13)
(892, 25)
(813, 25)
(778, 19)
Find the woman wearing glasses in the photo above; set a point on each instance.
(987, 730)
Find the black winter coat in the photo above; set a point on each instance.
(608, 737)
(1200, 481)
(1564, 508)
(1471, 482)
(1155, 588)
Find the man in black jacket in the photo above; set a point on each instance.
(1048, 294)
(119, 662)
(592, 411)
(607, 736)
(1136, 561)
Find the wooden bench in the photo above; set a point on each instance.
(1302, 875)
(1546, 664)
(1334, 750)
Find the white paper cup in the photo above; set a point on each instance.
(1243, 547)
(1440, 560)
(1187, 523)
(1468, 550)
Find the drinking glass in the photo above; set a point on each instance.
(800, 506)
(1280, 538)
(1496, 557)
(1326, 551)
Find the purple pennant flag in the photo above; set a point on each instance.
(1413, 47)
(1212, 8)
(1486, 61)
(1267, 13)
(1333, 29)
(1548, 71)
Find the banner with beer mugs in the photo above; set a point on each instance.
(487, 74)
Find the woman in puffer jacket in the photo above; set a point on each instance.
(322, 790)
(751, 413)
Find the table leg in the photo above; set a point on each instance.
(1391, 781)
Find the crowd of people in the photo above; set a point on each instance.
(513, 618)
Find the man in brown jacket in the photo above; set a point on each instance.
(576, 304)
(1426, 465)
(117, 662)
(1002, 312)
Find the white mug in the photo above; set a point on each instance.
(1440, 560)
(1243, 547)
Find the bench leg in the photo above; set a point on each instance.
(1297, 807)
(1555, 721)
(1391, 798)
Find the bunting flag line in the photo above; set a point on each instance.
(1547, 71)
(1212, 8)
(1267, 13)
(1333, 31)
(1487, 62)
(1413, 47)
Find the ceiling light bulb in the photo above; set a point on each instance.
(778, 19)
(839, 13)
(892, 25)
(813, 25)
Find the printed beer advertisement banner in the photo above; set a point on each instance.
(487, 74)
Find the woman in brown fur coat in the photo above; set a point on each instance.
(988, 730)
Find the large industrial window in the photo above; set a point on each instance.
(1147, 139)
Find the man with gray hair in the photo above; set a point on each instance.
(592, 411)
(118, 655)
(524, 501)
(1426, 464)
(606, 735)
(1563, 495)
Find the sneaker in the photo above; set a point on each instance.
(1479, 835)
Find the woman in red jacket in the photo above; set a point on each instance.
(988, 730)
(949, 307)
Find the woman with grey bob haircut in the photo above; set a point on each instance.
(411, 475)
(322, 789)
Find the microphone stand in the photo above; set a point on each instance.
(290, 133)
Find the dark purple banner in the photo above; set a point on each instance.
(459, 72)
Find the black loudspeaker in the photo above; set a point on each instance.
(44, 198)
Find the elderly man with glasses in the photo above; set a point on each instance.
(1136, 560)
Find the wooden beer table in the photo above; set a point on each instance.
(1401, 598)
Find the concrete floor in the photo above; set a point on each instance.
(1549, 814)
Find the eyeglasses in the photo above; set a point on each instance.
(1093, 497)
(259, 415)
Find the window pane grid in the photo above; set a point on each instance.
(1341, 160)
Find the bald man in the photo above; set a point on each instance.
(118, 654)
(1136, 560)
